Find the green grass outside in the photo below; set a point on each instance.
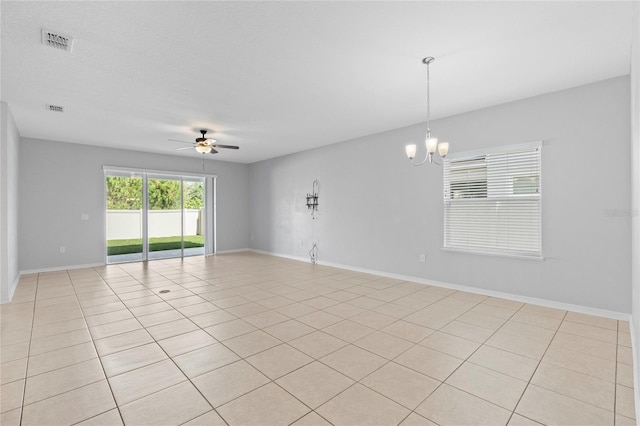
(115, 247)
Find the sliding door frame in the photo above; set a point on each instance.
(210, 224)
(210, 182)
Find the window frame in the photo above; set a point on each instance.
(449, 200)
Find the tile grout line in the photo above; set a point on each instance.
(302, 288)
(313, 358)
(614, 383)
(95, 349)
(26, 371)
(388, 361)
(59, 368)
(240, 358)
(218, 342)
(464, 361)
(537, 366)
(397, 319)
(418, 343)
(392, 360)
(187, 378)
(353, 343)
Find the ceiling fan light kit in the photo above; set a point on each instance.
(205, 145)
(431, 144)
(203, 148)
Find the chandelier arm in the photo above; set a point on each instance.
(426, 157)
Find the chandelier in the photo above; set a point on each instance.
(432, 145)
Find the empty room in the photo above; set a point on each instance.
(319, 213)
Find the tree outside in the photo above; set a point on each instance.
(125, 193)
(193, 195)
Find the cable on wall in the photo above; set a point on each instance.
(313, 253)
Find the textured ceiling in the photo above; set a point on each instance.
(281, 77)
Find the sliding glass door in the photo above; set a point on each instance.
(157, 216)
(164, 215)
(125, 217)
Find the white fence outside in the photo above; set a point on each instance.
(127, 224)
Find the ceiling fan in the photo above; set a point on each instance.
(205, 145)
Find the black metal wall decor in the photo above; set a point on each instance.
(312, 199)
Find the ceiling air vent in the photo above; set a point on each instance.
(55, 108)
(57, 40)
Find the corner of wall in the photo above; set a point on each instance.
(9, 152)
(3, 204)
(10, 291)
(635, 196)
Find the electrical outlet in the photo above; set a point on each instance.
(63, 249)
(423, 258)
(84, 216)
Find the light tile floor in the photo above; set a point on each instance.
(253, 339)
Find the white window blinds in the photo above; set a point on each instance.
(492, 201)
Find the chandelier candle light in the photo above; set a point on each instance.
(431, 144)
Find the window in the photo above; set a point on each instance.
(492, 201)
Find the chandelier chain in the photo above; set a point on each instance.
(428, 104)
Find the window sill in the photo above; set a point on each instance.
(488, 253)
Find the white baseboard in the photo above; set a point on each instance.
(60, 268)
(12, 289)
(636, 373)
(231, 251)
(518, 298)
(285, 256)
(94, 265)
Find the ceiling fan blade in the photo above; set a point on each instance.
(213, 151)
(225, 146)
(186, 147)
(175, 140)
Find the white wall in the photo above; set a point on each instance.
(60, 181)
(378, 212)
(635, 192)
(9, 146)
